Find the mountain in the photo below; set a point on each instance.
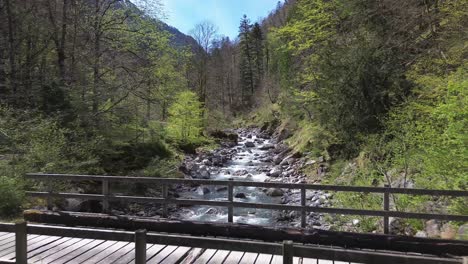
(178, 38)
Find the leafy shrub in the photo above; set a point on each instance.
(185, 122)
(11, 196)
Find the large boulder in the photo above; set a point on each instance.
(462, 232)
(433, 228)
(275, 172)
(202, 173)
(240, 195)
(448, 231)
(267, 147)
(274, 192)
(249, 144)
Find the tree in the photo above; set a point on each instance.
(204, 34)
(185, 118)
(247, 63)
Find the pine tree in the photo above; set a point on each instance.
(246, 62)
(257, 53)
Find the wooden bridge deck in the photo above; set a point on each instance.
(56, 249)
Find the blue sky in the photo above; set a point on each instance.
(225, 14)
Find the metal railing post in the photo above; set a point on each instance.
(105, 193)
(288, 252)
(140, 246)
(386, 207)
(21, 244)
(165, 196)
(303, 204)
(230, 199)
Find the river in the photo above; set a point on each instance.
(245, 165)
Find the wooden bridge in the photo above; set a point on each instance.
(225, 244)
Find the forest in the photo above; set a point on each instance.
(376, 88)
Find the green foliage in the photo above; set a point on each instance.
(168, 168)
(11, 196)
(185, 119)
(130, 158)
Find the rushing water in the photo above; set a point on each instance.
(245, 159)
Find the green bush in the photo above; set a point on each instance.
(11, 196)
(185, 122)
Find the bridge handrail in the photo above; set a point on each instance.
(106, 196)
(287, 249)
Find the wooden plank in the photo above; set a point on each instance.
(44, 256)
(248, 258)
(234, 257)
(78, 251)
(43, 247)
(154, 250)
(324, 261)
(151, 250)
(33, 243)
(114, 257)
(277, 259)
(205, 256)
(98, 256)
(8, 242)
(4, 236)
(10, 237)
(309, 261)
(90, 253)
(130, 256)
(263, 259)
(178, 255)
(82, 242)
(192, 255)
(219, 256)
(162, 255)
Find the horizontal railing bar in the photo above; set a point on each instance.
(365, 256)
(454, 193)
(7, 227)
(257, 206)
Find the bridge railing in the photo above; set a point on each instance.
(287, 249)
(230, 203)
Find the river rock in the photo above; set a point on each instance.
(433, 228)
(274, 192)
(420, 234)
(240, 172)
(267, 147)
(217, 160)
(204, 190)
(288, 160)
(221, 189)
(203, 173)
(275, 172)
(277, 159)
(211, 211)
(448, 231)
(249, 144)
(240, 195)
(463, 232)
